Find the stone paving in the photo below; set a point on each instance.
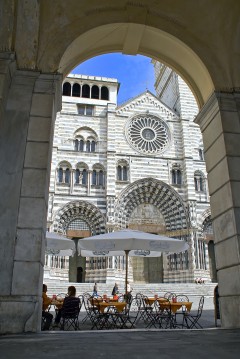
(136, 343)
(207, 321)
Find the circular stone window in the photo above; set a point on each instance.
(148, 134)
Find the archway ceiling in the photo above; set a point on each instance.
(135, 39)
(45, 33)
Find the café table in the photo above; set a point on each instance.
(109, 319)
(118, 305)
(175, 305)
(96, 301)
(165, 314)
(151, 300)
(58, 303)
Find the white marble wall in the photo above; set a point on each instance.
(109, 125)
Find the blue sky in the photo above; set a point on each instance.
(135, 73)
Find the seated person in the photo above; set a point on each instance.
(45, 314)
(70, 305)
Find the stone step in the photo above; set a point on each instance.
(148, 289)
(192, 290)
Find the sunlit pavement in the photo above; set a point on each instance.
(207, 343)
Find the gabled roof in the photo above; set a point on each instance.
(146, 96)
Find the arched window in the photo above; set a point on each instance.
(93, 146)
(119, 173)
(67, 175)
(60, 175)
(179, 177)
(86, 91)
(199, 181)
(176, 176)
(100, 178)
(95, 92)
(81, 145)
(84, 177)
(124, 173)
(201, 154)
(88, 146)
(104, 93)
(94, 177)
(77, 175)
(66, 89)
(76, 90)
(76, 145)
(201, 184)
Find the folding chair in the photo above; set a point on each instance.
(181, 298)
(192, 321)
(145, 306)
(97, 319)
(169, 295)
(162, 318)
(130, 316)
(69, 316)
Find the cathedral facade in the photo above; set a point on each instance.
(139, 165)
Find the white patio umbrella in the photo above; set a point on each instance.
(127, 240)
(59, 245)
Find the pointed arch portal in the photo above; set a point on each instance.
(159, 194)
(83, 210)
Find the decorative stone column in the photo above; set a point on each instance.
(25, 147)
(220, 125)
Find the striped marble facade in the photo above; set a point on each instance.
(113, 185)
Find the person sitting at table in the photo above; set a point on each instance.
(70, 303)
(45, 304)
(115, 289)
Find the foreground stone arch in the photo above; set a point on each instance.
(39, 42)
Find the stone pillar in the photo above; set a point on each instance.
(220, 124)
(25, 146)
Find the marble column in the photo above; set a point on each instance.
(219, 121)
(27, 114)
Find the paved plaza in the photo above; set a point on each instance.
(134, 344)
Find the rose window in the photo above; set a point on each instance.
(148, 134)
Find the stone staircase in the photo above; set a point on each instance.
(192, 290)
